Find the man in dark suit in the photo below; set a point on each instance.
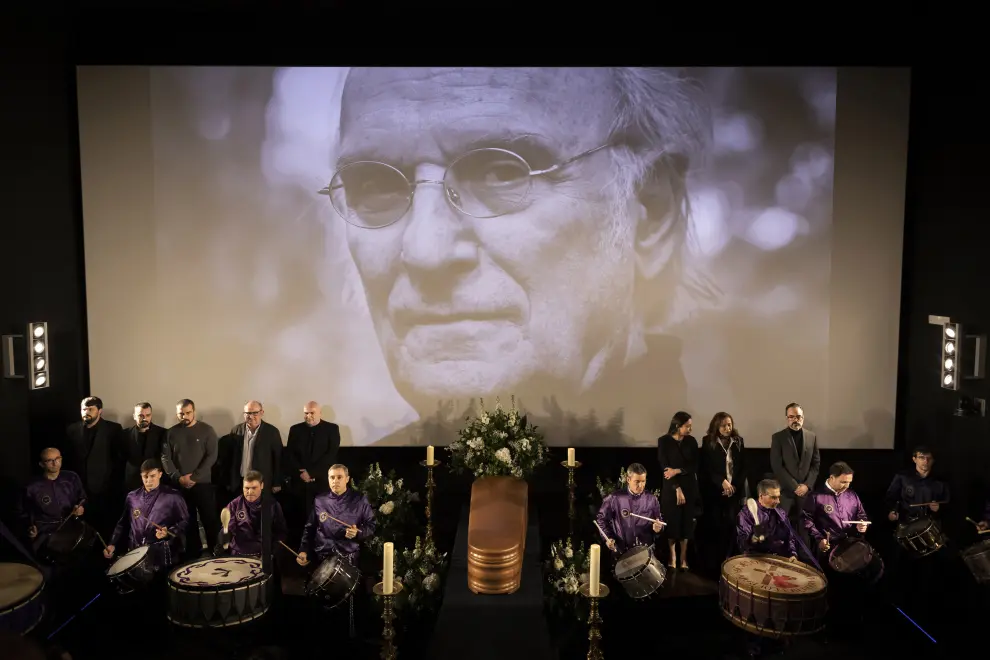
(253, 444)
(93, 448)
(311, 450)
(795, 461)
(139, 443)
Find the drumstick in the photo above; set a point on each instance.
(856, 522)
(160, 527)
(66, 519)
(101, 539)
(626, 513)
(978, 531)
(289, 549)
(930, 503)
(225, 518)
(341, 522)
(604, 535)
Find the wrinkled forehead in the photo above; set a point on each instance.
(452, 109)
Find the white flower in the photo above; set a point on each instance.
(584, 578)
(484, 419)
(568, 552)
(398, 484)
(476, 443)
(558, 564)
(431, 582)
(387, 507)
(571, 585)
(389, 488)
(504, 455)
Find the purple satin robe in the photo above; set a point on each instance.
(824, 512)
(323, 536)
(629, 531)
(780, 539)
(48, 501)
(245, 526)
(163, 505)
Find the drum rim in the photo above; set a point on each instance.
(229, 586)
(27, 598)
(641, 569)
(143, 558)
(774, 595)
(903, 527)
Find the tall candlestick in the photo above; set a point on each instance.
(387, 571)
(429, 454)
(594, 575)
(570, 456)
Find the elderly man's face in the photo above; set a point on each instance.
(466, 305)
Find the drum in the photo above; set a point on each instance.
(639, 572)
(333, 581)
(71, 540)
(21, 604)
(772, 597)
(920, 537)
(856, 557)
(977, 559)
(133, 571)
(218, 592)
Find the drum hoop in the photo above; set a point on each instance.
(847, 542)
(931, 526)
(139, 562)
(260, 579)
(27, 598)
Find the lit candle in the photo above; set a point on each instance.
(594, 575)
(387, 571)
(429, 454)
(570, 456)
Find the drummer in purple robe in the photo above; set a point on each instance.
(51, 498)
(762, 527)
(829, 512)
(623, 532)
(338, 522)
(257, 523)
(154, 515)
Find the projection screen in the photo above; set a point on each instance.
(607, 246)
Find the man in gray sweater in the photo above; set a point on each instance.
(188, 455)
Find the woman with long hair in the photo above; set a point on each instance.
(677, 453)
(722, 478)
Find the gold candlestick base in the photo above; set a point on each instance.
(594, 620)
(429, 497)
(389, 651)
(571, 495)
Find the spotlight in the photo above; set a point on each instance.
(950, 356)
(39, 374)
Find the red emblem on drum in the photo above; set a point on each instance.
(137, 513)
(829, 508)
(783, 581)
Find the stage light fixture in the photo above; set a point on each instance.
(39, 373)
(951, 358)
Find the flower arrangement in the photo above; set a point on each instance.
(392, 503)
(498, 443)
(566, 570)
(606, 487)
(420, 570)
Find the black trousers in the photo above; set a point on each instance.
(297, 503)
(202, 504)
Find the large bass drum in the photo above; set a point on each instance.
(772, 597)
(639, 572)
(333, 581)
(217, 593)
(22, 606)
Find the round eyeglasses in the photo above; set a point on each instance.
(483, 183)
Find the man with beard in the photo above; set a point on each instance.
(141, 442)
(256, 523)
(310, 451)
(93, 450)
(188, 456)
(51, 498)
(795, 461)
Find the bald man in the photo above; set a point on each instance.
(254, 444)
(311, 450)
(50, 498)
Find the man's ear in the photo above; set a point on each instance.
(660, 221)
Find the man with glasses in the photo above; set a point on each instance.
(254, 444)
(764, 527)
(50, 498)
(480, 202)
(795, 461)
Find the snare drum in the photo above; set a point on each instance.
(977, 559)
(68, 542)
(772, 597)
(333, 581)
(133, 571)
(920, 537)
(855, 557)
(21, 604)
(218, 593)
(639, 572)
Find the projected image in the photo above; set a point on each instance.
(607, 245)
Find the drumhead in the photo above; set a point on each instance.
(976, 549)
(217, 572)
(18, 582)
(850, 555)
(632, 560)
(915, 527)
(768, 574)
(128, 561)
(325, 570)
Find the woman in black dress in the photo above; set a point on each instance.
(722, 478)
(677, 453)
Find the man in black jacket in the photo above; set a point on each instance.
(253, 444)
(139, 443)
(311, 450)
(93, 450)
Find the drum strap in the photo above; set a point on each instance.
(797, 537)
(8, 535)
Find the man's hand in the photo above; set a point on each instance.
(351, 532)
(304, 475)
(933, 506)
(823, 545)
(681, 500)
(801, 490)
(301, 559)
(982, 525)
(161, 533)
(861, 528)
(32, 532)
(276, 489)
(610, 544)
(79, 510)
(792, 559)
(108, 552)
(186, 481)
(657, 526)
(670, 473)
(892, 516)
(728, 490)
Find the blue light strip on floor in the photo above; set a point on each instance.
(69, 620)
(915, 623)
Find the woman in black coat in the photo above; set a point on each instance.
(680, 504)
(722, 478)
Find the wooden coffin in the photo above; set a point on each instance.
(497, 534)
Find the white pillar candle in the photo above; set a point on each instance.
(570, 456)
(387, 570)
(429, 454)
(594, 575)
